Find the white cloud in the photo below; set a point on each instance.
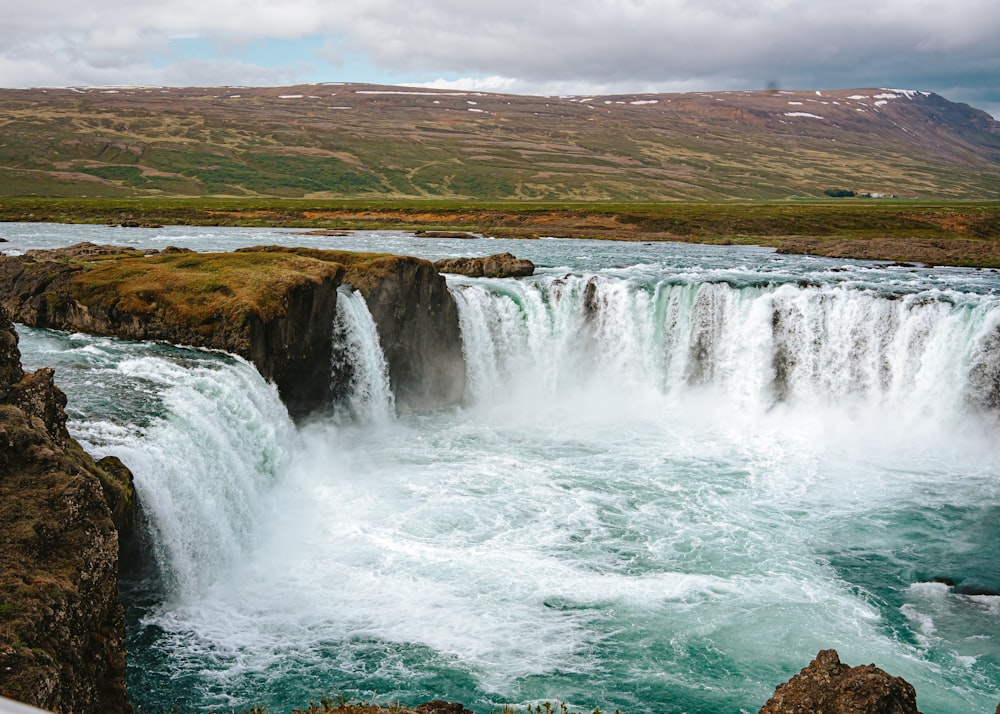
(65, 73)
(511, 85)
(599, 46)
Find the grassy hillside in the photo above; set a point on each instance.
(366, 142)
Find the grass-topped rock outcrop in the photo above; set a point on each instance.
(272, 306)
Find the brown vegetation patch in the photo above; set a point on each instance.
(200, 288)
(930, 251)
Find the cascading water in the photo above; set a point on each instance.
(212, 440)
(677, 477)
(202, 467)
(806, 346)
(362, 391)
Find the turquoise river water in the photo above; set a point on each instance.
(679, 472)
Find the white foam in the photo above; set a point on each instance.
(925, 628)
(931, 589)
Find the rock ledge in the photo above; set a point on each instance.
(828, 686)
(501, 265)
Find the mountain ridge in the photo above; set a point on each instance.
(372, 141)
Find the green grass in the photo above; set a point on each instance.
(796, 217)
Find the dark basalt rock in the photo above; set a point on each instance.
(62, 633)
(10, 357)
(972, 589)
(501, 265)
(294, 350)
(983, 389)
(590, 304)
(441, 707)
(827, 686)
(464, 235)
(417, 322)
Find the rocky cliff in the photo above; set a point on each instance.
(62, 638)
(273, 306)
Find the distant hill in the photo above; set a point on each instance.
(358, 141)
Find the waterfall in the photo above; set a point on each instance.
(758, 346)
(361, 388)
(204, 435)
(202, 467)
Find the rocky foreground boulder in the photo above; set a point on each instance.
(62, 632)
(273, 306)
(828, 686)
(501, 265)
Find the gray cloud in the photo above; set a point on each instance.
(588, 45)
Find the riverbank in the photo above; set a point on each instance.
(932, 233)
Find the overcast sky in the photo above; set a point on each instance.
(951, 47)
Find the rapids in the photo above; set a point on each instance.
(680, 471)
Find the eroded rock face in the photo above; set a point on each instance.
(294, 350)
(417, 322)
(501, 265)
(62, 631)
(827, 686)
(10, 357)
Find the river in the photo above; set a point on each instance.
(680, 471)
